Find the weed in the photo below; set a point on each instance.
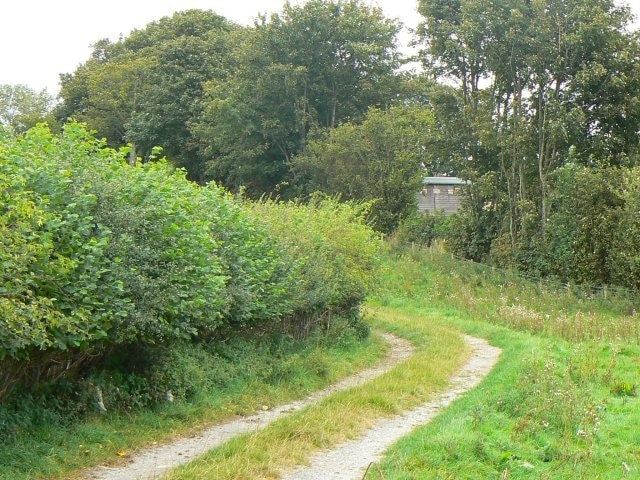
(624, 389)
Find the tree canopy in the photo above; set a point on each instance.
(516, 96)
(313, 66)
(538, 80)
(145, 89)
(381, 159)
(22, 107)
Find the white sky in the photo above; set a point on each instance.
(39, 39)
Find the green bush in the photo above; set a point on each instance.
(100, 258)
(625, 248)
(331, 255)
(95, 249)
(55, 287)
(423, 228)
(583, 220)
(116, 253)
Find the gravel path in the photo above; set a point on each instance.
(153, 463)
(351, 459)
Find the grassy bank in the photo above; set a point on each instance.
(562, 402)
(241, 379)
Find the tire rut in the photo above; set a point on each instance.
(153, 463)
(351, 459)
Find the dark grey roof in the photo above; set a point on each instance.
(444, 181)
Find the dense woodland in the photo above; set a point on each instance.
(106, 246)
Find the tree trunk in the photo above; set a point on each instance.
(542, 153)
(132, 155)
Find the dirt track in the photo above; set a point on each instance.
(350, 460)
(153, 463)
(347, 461)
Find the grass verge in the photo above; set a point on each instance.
(259, 373)
(290, 441)
(562, 402)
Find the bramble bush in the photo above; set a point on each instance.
(100, 258)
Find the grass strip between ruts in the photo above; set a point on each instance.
(440, 351)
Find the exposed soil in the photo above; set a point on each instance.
(154, 462)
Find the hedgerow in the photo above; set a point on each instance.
(330, 254)
(99, 258)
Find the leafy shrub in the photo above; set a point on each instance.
(94, 249)
(422, 229)
(330, 253)
(625, 248)
(162, 252)
(100, 258)
(116, 252)
(252, 262)
(54, 287)
(585, 204)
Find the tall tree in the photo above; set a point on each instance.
(537, 78)
(380, 160)
(22, 107)
(318, 64)
(147, 87)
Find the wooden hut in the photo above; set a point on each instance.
(441, 193)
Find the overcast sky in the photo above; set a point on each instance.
(39, 39)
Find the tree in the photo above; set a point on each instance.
(624, 257)
(583, 221)
(115, 96)
(319, 64)
(447, 144)
(146, 88)
(22, 107)
(252, 126)
(191, 48)
(380, 160)
(537, 78)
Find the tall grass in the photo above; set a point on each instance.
(562, 402)
(504, 298)
(39, 442)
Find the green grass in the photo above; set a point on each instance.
(58, 448)
(561, 403)
(439, 353)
